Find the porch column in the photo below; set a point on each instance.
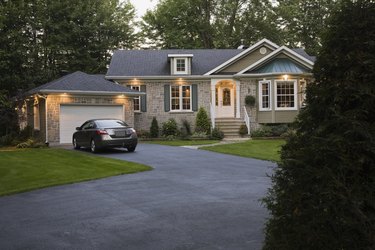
(213, 101)
(238, 99)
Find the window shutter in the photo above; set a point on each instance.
(194, 97)
(167, 97)
(143, 99)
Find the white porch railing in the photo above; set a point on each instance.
(212, 112)
(247, 120)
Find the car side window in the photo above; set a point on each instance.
(88, 125)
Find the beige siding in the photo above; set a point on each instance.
(245, 62)
(285, 116)
(265, 116)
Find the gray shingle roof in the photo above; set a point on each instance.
(80, 81)
(303, 53)
(156, 63)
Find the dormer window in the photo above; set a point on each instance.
(180, 64)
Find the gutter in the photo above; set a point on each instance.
(82, 92)
(174, 77)
(203, 77)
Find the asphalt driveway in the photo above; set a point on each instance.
(193, 199)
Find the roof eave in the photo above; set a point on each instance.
(84, 92)
(274, 74)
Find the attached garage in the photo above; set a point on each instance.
(72, 116)
(75, 98)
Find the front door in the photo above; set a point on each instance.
(224, 101)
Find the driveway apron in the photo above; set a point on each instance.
(193, 199)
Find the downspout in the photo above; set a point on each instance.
(46, 117)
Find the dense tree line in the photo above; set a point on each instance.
(229, 23)
(41, 38)
(324, 187)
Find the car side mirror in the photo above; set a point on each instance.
(78, 128)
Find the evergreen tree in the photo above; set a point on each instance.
(202, 122)
(154, 129)
(324, 187)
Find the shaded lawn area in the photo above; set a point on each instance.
(183, 142)
(27, 169)
(259, 149)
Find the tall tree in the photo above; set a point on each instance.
(324, 186)
(40, 38)
(302, 22)
(209, 23)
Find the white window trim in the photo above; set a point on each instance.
(260, 99)
(303, 86)
(175, 66)
(180, 99)
(295, 95)
(135, 98)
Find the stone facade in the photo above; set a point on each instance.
(53, 110)
(155, 103)
(249, 87)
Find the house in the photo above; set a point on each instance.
(142, 84)
(178, 82)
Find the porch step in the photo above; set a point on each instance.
(229, 126)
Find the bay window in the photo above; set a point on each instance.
(286, 95)
(264, 95)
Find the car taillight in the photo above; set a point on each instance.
(101, 132)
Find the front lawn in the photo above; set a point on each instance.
(184, 142)
(27, 169)
(260, 149)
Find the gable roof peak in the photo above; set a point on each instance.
(243, 53)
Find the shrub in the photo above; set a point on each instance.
(217, 134)
(250, 100)
(243, 130)
(199, 135)
(270, 130)
(263, 131)
(31, 143)
(202, 122)
(185, 129)
(170, 127)
(6, 140)
(154, 129)
(143, 134)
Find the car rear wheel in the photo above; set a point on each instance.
(131, 148)
(93, 147)
(75, 145)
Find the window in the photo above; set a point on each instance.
(180, 98)
(136, 100)
(36, 117)
(180, 66)
(264, 95)
(286, 95)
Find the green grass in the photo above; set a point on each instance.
(184, 142)
(259, 149)
(27, 169)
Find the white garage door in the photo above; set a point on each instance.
(72, 116)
